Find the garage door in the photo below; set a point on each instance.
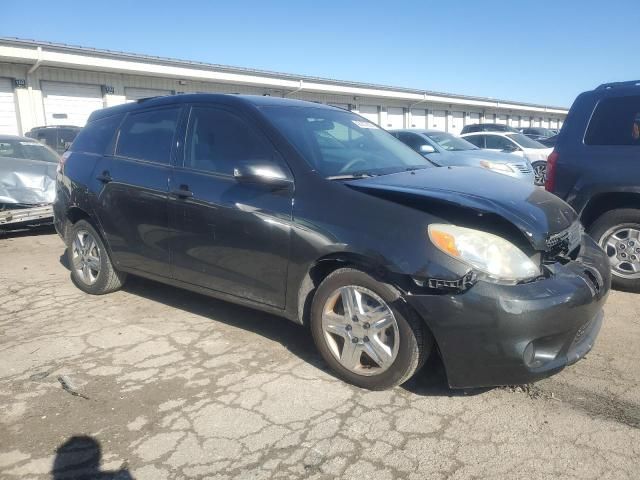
(473, 118)
(370, 112)
(132, 94)
(514, 121)
(395, 117)
(457, 122)
(418, 118)
(8, 118)
(70, 103)
(501, 119)
(439, 121)
(545, 123)
(525, 122)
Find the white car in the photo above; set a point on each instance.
(517, 144)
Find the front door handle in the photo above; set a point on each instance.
(104, 177)
(182, 192)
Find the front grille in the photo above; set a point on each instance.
(521, 167)
(564, 242)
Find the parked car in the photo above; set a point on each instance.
(549, 141)
(596, 168)
(316, 214)
(517, 144)
(445, 150)
(536, 133)
(58, 137)
(487, 127)
(27, 182)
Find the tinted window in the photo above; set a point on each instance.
(525, 141)
(96, 136)
(148, 135)
(477, 140)
(218, 141)
(616, 121)
(413, 140)
(451, 143)
(498, 143)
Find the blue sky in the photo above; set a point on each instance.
(543, 51)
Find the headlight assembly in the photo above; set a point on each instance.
(496, 167)
(498, 259)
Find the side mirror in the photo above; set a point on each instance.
(262, 173)
(510, 148)
(424, 149)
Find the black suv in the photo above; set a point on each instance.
(487, 127)
(596, 168)
(57, 137)
(316, 214)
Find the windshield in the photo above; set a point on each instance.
(339, 143)
(449, 142)
(525, 141)
(27, 149)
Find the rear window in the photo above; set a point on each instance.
(148, 135)
(96, 136)
(616, 121)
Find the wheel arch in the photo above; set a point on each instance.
(604, 202)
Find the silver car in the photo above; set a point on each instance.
(444, 149)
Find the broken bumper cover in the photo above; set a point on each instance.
(26, 216)
(513, 334)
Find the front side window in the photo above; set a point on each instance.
(496, 142)
(96, 136)
(218, 141)
(477, 140)
(525, 141)
(616, 121)
(148, 135)
(412, 139)
(337, 143)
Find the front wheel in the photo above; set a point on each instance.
(618, 233)
(365, 331)
(539, 173)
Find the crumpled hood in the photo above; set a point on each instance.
(29, 182)
(534, 211)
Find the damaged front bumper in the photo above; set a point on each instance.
(493, 334)
(26, 216)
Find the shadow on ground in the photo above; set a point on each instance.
(46, 229)
(430, 381)
(79, 458)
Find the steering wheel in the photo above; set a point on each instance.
(353, 162)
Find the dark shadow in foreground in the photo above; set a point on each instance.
(79, 459)
(27, 231)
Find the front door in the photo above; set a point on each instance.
(228, 236)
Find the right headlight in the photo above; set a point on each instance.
(497, 258)
(496, 167)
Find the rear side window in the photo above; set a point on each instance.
(148, 135)
(477, 140)
(616, 121)
(96, 136)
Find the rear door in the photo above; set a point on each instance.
(132, 205)
(228, 236)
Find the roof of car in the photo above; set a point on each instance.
(417, 130)
(230, 99)
(54, 126)
(488, 132)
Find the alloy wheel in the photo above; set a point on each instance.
(86, 257)
(540, 174)
(360, 330)
(622, 245)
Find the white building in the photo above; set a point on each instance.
(50, 84)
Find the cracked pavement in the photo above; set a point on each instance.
(179, 385)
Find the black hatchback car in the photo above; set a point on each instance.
(314, 213)
(595, 166)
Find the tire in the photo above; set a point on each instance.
(409, 341)
(89, 261)
(611, 226)
(539, 172)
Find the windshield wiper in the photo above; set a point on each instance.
(350, 176)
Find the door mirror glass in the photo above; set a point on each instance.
(426, 149)
(257, 171)
(510, 147)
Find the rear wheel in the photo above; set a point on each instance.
(539, 172)
(91, 267)
(618, 233)
(366, 332)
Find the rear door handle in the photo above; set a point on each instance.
(104, 177)
(182, 192)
